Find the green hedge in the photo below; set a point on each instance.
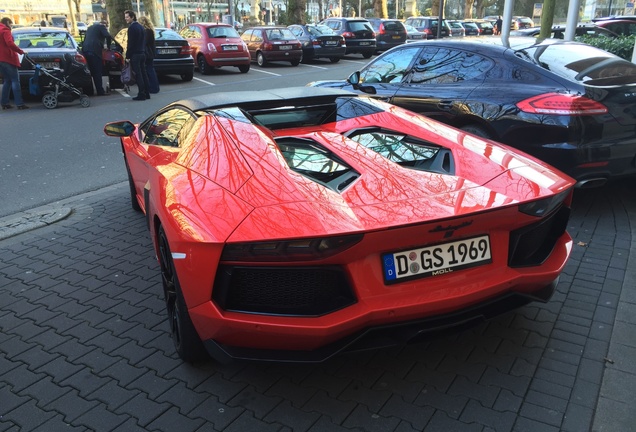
(622, 46)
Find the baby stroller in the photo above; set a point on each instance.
(53, 84)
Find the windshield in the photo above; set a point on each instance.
(49, 39)
(279, 34)
(320, 30)
(164, 33)
(222, 32)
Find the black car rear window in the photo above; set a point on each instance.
(582, 63)
(393, 25)
(359, 25)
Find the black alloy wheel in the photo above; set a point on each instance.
(184, 336)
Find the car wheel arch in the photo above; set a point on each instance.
(477, 127)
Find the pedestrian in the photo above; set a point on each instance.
(9, 64)
(96, 36)
(149, 33)
(135, 54)
(498, 25)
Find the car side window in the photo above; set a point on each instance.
(247, 35)
(297, 31)
(165, 128)
(257, 36)
(444, 66)
(390, 68)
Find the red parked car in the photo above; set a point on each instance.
(216, 45)
(293, 224)
(267, 44)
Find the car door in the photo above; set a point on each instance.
(159, 144)
(440, 81)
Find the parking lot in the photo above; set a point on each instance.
(85, 344)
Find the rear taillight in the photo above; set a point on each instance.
(315, 43)
(268, 46)
(561, 104)
(211, 47)
(185, 50)
(427, 31)
(80, 58)
(348, 35)
(381, 29)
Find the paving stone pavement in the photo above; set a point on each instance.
(84, 345)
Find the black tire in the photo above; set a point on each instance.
(203, 65)
(133, 194)
(367, 54)
(184, 336)
(188, 76)
(295, 62)
(260, 59)
(477, 130)
(334, 59)
(244, 68)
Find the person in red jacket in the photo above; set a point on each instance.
(9, 64)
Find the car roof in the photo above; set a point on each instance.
(39, 30)
(211, 24)
(275, 97)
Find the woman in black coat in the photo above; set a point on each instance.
(149, 32)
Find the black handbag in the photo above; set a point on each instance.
(127, 75)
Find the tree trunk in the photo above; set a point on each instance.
(435, 8)
(116, 9)
(468, 9)
(150, 8)
(547, 18)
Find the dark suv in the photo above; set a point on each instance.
(428, 25)
(358, 34)
(388, 33)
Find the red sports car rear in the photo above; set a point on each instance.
(299, 223)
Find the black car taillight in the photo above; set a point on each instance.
(288, 250)
(561, 104)
(185, 50)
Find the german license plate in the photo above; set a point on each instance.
(331, 42)
(436, 260)
(230, 48)
(285, 47)
(396, 36)
(50, 65)
(365, 43)
(166, 51)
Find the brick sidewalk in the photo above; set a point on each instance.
(84, 345)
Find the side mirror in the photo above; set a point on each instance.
(119, 129)
(354, 79)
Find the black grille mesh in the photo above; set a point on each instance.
(298, 291)
(531, 245)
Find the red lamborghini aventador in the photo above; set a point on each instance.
(297, 223)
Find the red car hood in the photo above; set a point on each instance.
(287, 204)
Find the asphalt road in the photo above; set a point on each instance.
(48, 155)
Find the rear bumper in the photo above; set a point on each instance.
(176, 66)
(390, 334)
